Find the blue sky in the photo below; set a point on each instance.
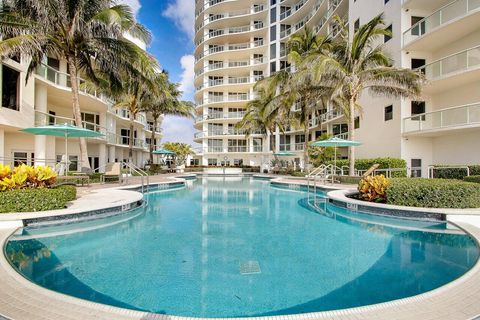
(171, 24)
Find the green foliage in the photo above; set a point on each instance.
(30, 200)
(475, 179)
(385, 163)
(373, 188)
(433, 193)
(455, 173)
(299, 174)
(182, 150)
(348, 179)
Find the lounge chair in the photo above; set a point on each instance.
(371, 170)
(112, 172)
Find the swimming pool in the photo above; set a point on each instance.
(228, 247)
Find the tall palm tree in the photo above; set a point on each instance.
(88, 34)
(352, 67)
(166, 102)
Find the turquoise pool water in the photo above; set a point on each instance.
(228, 247)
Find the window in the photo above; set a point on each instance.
(273, 33)
(51, 118)
(418, 26)
(388, 113)
(94, 163)
(385, 1)
(418, 63)
(10, 88)
(238, 162)
(195, 162)
(388, 36)
(299, 142)
(54, 65)
(273, 51)
(273, 67)
(19, 158)
(338, 129)
(418, 107)
(215, 145)
(416, 168)
(273, 15)
(257, 145)
(91, 121)
(215, 129)
(237, 145)
(356, 25)
(285, 143)
(357, 123)
(73, 162)
(212, 162)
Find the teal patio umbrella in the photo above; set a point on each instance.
(63, 130)
(336, 142)
(163, 151)
(284, 154)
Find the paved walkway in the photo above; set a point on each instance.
(21, 299)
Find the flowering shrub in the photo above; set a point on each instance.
(23, 177)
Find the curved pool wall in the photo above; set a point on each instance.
(227, 247)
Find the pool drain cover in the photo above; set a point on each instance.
(249, 267)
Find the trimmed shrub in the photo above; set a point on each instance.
(40, 199)
(475, 179)
(348, 179)
(455, 173)
(298, 174)
(433, 193)
(385, 163)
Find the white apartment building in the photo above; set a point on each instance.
(238, 41)
(46, 99)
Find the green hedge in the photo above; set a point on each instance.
(385, 163)
(475, 179)
(455, 173)
(29, 200)
(433, 193)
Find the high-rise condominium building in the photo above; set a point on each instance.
(238, 42)
(45, 98)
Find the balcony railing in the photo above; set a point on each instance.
(220, 115)
(299, 146)
(229, 98)
(117, 139)
(458, 62)
(223, 132)
(62, 79)
(299, 25)
(455, 117)
(230, 64)
(451, 11)
(230, 47)
(45, 119)
(343, 136)
(330, 115)
(125, 114)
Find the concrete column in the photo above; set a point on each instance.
(2, 146)
(111, 154)
(277, 140)
(41, 141)
(102, 156)
(139, 157)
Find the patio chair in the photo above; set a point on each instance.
(112, 172)
(370, 170)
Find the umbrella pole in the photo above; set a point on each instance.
(66, 154)
(334, 164)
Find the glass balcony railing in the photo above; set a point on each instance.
(45, 119)
(451, 11)
(117, 139)
(458, 62)
(455, 117)
(63, 80)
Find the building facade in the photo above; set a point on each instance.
(239, 41)
(45, 98)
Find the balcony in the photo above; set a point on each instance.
(452, 71)
(62, 79)
(220, 115)
(120, 140)
(229, 65)
(45, 119)
(331, 115)
(456, 19)
(229, 98)
(125, 114)
(443, 121)
(230, 48)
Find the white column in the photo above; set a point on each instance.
(2, 146)
(41, 141)
(277, 140)
(111, 154)
(102, 156)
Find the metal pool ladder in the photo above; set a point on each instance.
(320, 173)
(140, 172)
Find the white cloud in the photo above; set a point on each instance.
(134, 4)
(182, 12)
(178, 129)
(186, 78)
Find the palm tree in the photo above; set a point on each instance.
(352, 67)
(166, 103)
(88, 34)
(182, 151)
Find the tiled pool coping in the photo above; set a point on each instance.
(22, 299)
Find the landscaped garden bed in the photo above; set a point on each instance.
(29, 189)
(418, 192)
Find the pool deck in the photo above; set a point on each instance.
(22, 299)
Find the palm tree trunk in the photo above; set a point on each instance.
(130, 138)
(76, 110)
(152, 139)
(351, 136)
